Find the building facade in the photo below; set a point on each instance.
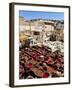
(39, 30)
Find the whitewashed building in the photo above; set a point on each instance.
(38, 30)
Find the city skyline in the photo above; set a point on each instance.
(29, 15)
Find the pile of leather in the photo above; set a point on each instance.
(40, 62)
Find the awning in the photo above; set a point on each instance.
(23, 37)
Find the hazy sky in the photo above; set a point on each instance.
(28, 15)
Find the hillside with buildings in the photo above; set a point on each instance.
(41, 31)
